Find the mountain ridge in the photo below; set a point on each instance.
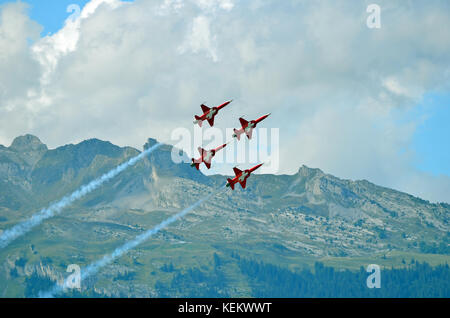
(33, 141)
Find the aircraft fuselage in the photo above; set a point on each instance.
(243, 176)
(208, 157)
(211, 113)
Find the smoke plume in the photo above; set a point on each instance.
(20, 229)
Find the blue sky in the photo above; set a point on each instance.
(51, 14)
(432, 137)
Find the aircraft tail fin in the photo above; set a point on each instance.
(198, 120)
(237, 134)
(201, 150)
(195, 164)
(230, 182)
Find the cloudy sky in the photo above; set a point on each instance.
(357, 102)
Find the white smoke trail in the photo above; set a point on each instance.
(20, 229)
(93, 268)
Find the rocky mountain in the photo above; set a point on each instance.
(288, 220)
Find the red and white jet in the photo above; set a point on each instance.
(241, 177)
(206, 156)
(209, 114)
(247, 127)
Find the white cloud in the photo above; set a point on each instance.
(395, 87)
(200, 39)
(127, 72)
(214, 4)
(51, 48)
(169, 6)
(18, 70)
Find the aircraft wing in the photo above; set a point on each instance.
(207, 164)
(244, 123)
(206, 159)
(249, 134)
(243, 184)
(201, 151)
(237, 172)
(211, 121)
(205, 108)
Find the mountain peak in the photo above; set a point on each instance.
(27, 143)
(150, 143)
(309, 172)
(94, 143)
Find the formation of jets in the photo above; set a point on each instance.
(206, 156)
